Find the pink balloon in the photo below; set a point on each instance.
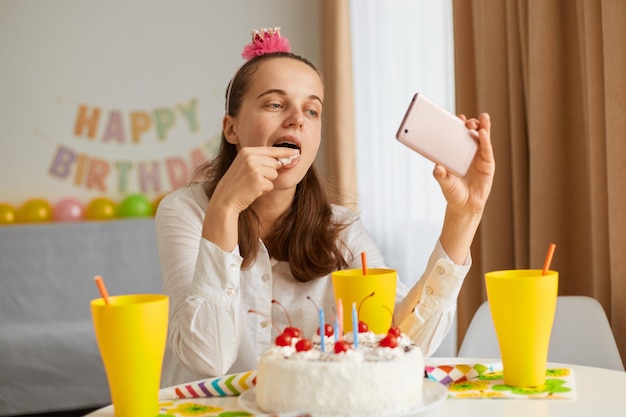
(68, 210)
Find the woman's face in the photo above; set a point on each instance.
(283, 105)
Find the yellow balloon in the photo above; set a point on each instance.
(101, 208)
(156, 202)
(36, 210)
(7, 214)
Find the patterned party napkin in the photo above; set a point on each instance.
(486, 381)
(212, 407)
(446, 374)
(201, 407)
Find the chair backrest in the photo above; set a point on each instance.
(581, 335)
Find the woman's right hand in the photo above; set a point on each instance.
(250, 176)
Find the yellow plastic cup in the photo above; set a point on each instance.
(351, 286)
(131, 332)
(522, 304)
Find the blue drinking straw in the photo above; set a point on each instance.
(322, 333)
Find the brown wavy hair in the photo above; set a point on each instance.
(306, 235)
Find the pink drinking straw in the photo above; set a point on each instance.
(364, 263)
(548, 261)
(102, 289)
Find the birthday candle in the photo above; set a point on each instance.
(355, 326)
(336, 330)
(322, 332)
(340, 318)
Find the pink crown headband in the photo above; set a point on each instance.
(264, 42)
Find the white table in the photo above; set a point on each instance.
(599, 392)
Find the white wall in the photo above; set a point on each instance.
(162, 64)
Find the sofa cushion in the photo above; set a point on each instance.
(50, 366)
(49, 359)
(47, 270)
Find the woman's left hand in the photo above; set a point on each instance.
(468, 195)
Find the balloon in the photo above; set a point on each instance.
(156, 202)
(36, 210)
(136, 205)
(7, 214)
(68, 210)
(101, 208)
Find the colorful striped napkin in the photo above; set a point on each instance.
(223, 386)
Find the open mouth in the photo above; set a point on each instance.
(290, 145)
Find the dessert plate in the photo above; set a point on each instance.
(433, 394)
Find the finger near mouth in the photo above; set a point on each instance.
(290, 145)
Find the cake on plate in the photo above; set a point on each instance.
(379, 375)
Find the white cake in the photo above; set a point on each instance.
(367, 381)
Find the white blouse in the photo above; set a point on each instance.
(211, 332)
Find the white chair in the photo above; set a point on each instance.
(581, 335)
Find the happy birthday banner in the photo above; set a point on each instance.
(118, 128)
(102, 104)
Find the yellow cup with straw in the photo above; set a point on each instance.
(131, 331)
(373, 289)
(522, 304)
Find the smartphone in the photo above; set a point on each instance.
(438, 135)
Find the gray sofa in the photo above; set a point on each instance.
(49, 359)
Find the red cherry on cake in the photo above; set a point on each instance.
(304, 345)
(363, 327)
(389, 341)
(283, 339)
(293, 332)
(395, 331)
(328, 330)
(342, 346)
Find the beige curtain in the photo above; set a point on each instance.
(552, 74)
(338, 157)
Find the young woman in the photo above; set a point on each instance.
(256, 225)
